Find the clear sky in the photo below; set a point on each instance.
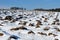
(30, 4)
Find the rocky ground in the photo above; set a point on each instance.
(29, 25)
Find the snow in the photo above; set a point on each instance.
(30, 17)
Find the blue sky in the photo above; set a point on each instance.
(30, 4)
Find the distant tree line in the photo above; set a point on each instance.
(38, 9)
(17, 8)
(56, 9)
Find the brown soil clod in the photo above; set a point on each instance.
(1, 34)
(1, 25)
(37, 26)
(38, 22)
(8, 18)
(52, 34)
(22, 28)
(31, 24)
(31, 32)
(46, 28)
(49, 34)
(58, 30)
(24, 23)
(42, 33)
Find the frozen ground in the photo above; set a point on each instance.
(29, 25)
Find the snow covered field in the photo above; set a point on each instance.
(29, 25)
